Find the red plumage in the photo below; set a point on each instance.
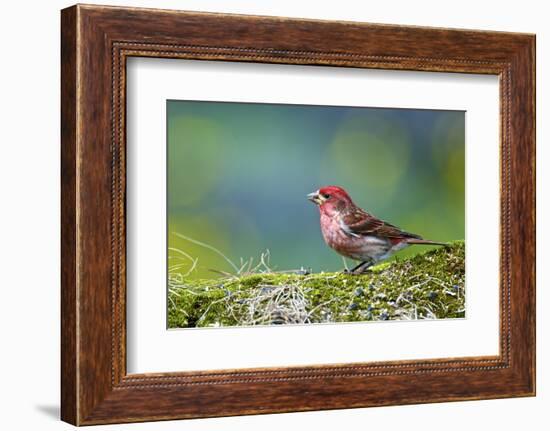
(354, 233)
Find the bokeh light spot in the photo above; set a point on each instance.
(194, 162)
(370, 154)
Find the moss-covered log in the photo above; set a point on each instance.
(425, 286)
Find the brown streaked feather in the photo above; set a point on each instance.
(426, 242)
(359, 222)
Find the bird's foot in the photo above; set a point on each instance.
(358, 271)
(362, 271)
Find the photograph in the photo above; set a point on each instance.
(303, 214)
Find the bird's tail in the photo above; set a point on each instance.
(425, 242)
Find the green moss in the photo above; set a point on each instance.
(428, 285)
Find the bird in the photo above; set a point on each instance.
(354, 233)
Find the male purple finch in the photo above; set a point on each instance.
(354, 233)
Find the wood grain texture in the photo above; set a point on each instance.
(96, 41)
(69, 371)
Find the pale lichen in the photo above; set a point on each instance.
(426, 286)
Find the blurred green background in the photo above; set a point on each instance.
(238, 175)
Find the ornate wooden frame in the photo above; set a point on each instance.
(95, 42)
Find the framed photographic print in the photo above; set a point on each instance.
(265, 215)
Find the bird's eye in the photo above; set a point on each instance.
(326, 196)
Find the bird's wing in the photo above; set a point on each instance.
(361, 223)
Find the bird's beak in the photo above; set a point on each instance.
(316, 198)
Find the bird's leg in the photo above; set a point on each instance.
(355, 268)
(359, 269)
(352, 271)
(366, 267)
